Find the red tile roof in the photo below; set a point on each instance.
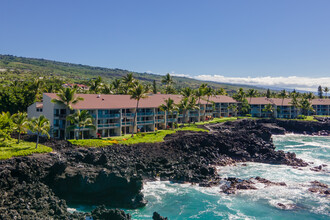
(94, 101)
(286, 101)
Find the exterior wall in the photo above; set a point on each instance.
(33, 112)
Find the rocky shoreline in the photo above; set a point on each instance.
(40, 186)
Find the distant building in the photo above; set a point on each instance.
(72, 85)
(282, 108)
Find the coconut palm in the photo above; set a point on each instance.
(167, 80)
(137, 93)
(81, 119)
(128, 83)
(20, 122)
(148, 88)
(67, 97)
(208, 92)
(221, 91)
(326, 90)
(294, 102)
(96, 85)
(169, 107)
(233, 108)
(107, 89)
(6, 125)
(252, 93)
(269, 109)
(183, 105)
(40, 126)
(310, 96)
(116, 85)
(239, 95)
(283, 95)
(192, 104)
(305, 106)
(187, 92)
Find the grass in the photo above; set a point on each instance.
(10, 148)
(151, 137)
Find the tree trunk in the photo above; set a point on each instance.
(172, 121)
(37, 140)
(135, 118)
(207, 102)
(19, 137)
(82, 135)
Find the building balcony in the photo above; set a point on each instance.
(172, 120)
(111, 125)
(160, 113)
(145, 122)
(193, 115)
(128, 123)
(129, 115)
(160, 120)
(109, 116)
(145, 113)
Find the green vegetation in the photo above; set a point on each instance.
(151, 137)
(10, 148)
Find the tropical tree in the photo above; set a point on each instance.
(269, 109)
(239, 95)
(20, 123)
(326, 90)
(221, 91)
(283, 95)
(168, 107)
(320, 92)
(183, 105)
(67, 97)
(128, 83)
(96, 85)
(40, 126)
(233, 108)
(167, 80)
(148, 88)
(268, 94)
(192, 104)
(81, 119)
(252, 93)
(187, 92)
(310, 96)
(154, 87)
(295, 102)
(208, 92)
(116, 85)
(107, 89)
(137, 93)
(305, 106)
(6, 126)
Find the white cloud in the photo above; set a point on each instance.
(290, 82)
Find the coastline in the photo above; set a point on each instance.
(182, 157)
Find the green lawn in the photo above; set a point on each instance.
(151, 137)
(11, 149)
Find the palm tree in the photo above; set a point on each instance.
(168, 107)
(96, 85)
(116, 84)
(81, 119)
(40, 126)
(239, 95)
(6, 125)
(269, 108)
(137, 93)
(221, 91)
(282, 95)
(233, 108)
(107, 89)
(148, 88)
(208, 92)
(294, 102)
(310, 96)
(252, 93)
(167, 80)
(192, 104)
(20, 122)
(187, 92)
(305, 105)
(326, 90)
(183, 106)
(67, 97)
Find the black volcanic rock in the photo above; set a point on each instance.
(38, 186)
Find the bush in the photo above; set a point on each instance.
(248, 115)
(301, 117)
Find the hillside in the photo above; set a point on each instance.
(31, 67)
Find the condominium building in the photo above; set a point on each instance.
(282, 108)
(114, 114)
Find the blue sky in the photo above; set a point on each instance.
(248, 41)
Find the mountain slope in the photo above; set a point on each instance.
(77, 72)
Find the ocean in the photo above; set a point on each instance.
(186, 201)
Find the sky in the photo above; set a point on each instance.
(271, 43)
